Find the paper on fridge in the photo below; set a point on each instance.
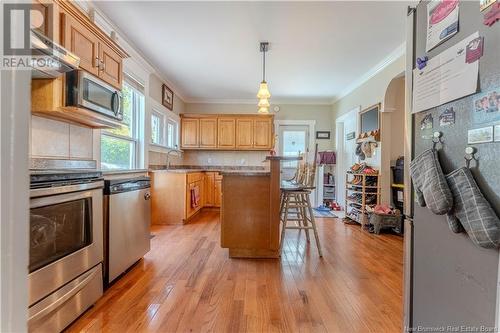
(442, 21)
(446, 77)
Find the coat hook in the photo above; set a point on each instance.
(436, 138)
(469, 156)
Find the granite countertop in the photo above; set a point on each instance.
(242, 170)
(117, 172)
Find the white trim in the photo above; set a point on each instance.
(393, 56)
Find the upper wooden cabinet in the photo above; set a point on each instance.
(189, 133)
(208, 133)
(99, 54)
(82, 42)
(226, 132)
(263, 133)
(244, 133)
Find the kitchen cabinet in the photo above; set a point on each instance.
(208, 133)
(99, 54)
(227, 132)
(263, 134)
(226, 129)
(110, 66)
(178, 208)
(244, 133)
(82, 42)
(189, 133)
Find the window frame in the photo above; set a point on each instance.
(135, 138)
(167, 118)
(161, 117)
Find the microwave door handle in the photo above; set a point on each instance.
(119, 103)
(113, 103)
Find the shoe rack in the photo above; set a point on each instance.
(362, 191)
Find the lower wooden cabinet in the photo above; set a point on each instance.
(178, 196)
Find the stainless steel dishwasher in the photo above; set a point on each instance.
(127, 219)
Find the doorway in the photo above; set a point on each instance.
(345, 126)
(293, 141)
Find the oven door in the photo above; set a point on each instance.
(65, 236)
(99, 96)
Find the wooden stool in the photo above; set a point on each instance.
(296, 207)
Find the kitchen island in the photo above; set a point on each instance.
(250, 221)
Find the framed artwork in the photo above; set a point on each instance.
(167, 98)
(323, 135)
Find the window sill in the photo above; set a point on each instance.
(162, 149)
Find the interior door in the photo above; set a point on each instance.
(294, 140)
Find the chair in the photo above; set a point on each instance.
(295, 203)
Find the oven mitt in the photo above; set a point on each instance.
(471, 210)
(431, 188)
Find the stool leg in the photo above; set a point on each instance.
(305, 222)
(285, 218)
(313, 222)
(282, 204)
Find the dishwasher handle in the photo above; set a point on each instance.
(147, 196)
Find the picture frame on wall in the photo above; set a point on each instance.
(167, 98)
(323, 135)
(369, 118)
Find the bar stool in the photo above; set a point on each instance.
(295, 209)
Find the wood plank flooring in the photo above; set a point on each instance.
(187, 283)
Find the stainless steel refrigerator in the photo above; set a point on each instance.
(449, 281)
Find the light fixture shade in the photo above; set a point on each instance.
(264, 103)
(263, 110)
(263, 91)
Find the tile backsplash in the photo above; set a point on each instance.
(225, 158)
(56, 139)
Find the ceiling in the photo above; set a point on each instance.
(210, 50)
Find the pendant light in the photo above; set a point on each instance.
(263, 95)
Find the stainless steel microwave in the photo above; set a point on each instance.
(84, 90)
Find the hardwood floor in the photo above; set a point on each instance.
(187, 283)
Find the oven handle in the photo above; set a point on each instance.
(64, 298)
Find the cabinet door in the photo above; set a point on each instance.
(209, 189)
(110, 66)
(189, 133)
(208, 132)
(218, 193)
(226, 132)
(244, 133)
(263, 131)
(79, 40)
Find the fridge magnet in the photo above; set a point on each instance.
(496, 132)
(486, 106)
(447, 117)
(442, 21)
(493, 15)
(474, 50)
(480, 135)
(484, 4)
(427, 122)
(422, 62)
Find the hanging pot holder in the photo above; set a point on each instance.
(471, 210)
(431, 188)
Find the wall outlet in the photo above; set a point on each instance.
(243, 161)
(209, 160)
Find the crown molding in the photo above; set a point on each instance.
(276, 101)
(393, 56)
(132, 49)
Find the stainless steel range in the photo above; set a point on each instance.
(66, 247)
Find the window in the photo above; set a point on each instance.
(157, 128)
(120, 146)
(164, 131)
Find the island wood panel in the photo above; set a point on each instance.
(209, 188)
(208, 133)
